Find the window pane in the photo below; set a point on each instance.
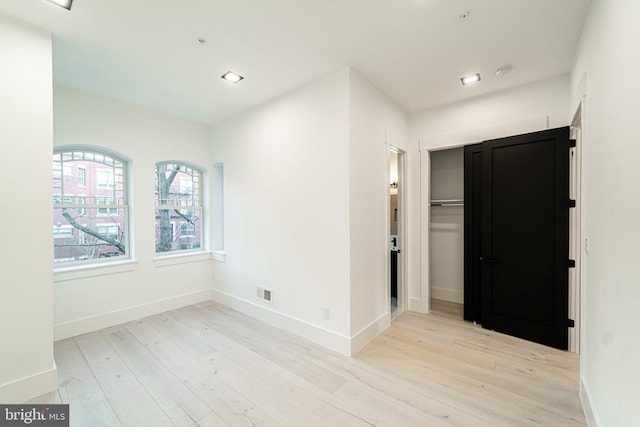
(83, 234)
(177, 185)
(177, 229)
(90, 206)
(178, 210)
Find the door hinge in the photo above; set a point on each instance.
(572, 203)
(571, 323)
(572, 143)
(572, 263)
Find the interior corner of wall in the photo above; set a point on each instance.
(579, 94)
(368, 333)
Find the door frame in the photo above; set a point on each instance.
(576, 229)
(420, 301)
(402, 231)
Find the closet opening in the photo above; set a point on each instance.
(501, 214)
(446, 237)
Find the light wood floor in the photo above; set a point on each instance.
(207, 365)
(448, 308)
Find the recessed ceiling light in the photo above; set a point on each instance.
(502, 71)
(470, 79)
(232, 77)
(63, 3)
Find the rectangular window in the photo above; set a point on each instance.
(105, 178)
(113, 210)
(110, 231)
(187, 230)
(178, 208)
(82, 177)
(62, 231)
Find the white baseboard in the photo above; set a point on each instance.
(93, 323)
(590, 413)
(447, 295)
(369, 332)
(27, 388)
(321, 336)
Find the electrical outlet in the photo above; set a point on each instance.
(326, 313)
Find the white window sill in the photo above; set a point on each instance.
(219, 256)
(63, 274)
(181, 258)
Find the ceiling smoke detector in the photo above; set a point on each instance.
(503, 71)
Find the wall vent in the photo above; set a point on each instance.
(264, 294)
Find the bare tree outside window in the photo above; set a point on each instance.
(90, 206)
(178, 208)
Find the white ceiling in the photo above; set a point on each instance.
(146, 52)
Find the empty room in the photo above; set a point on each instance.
(320, 213)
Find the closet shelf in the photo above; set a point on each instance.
(447, 202)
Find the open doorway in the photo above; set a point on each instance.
(396, 231)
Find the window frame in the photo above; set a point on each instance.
(119, 188)
(194, 203)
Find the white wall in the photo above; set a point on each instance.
(536, 106)
(608, 54)
(91, 298)
(26, 302)
(286, 207)
(544, 98)
(306, 188)
(374, 122)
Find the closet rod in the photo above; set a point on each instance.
(455, 202)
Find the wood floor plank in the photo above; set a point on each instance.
(180, 404)
(208, 365)
(388, 383)
(77, 386)
(258, 362)
(279, 352)
(129, 399)
(176, 360)
(231, 406)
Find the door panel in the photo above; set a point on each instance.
(472, 231)
(525, 184)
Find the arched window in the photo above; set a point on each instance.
(90, 206)
(178, 208)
